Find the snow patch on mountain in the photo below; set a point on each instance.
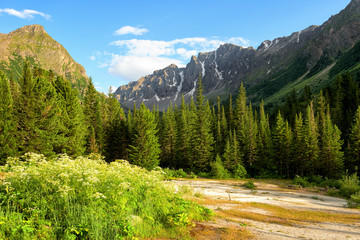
(180, 85)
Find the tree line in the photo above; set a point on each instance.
(306, 136)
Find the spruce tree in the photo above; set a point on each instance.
(231, 114)
(7, 121)
(279, 141)
(331, 155)
(288, 149)
(311, 141)
(251, 137)
(93, 120)
(72, 119)
(184, 134)
(355, 141)
(145, 148)
(203, 139)
(169, 140)
(116, 131)
(264, 141)
(37, 112)
(240, 120)
(298, 148)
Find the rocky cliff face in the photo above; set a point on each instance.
(33, 42)
(264, 71)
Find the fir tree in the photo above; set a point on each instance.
(203, 139)
(331, 155)
(169, 134)
(264, 141)
(145, 148)
(7, 121)
(355, 140)
(72, 119)
(311, 152)
(231, 114)
(279, 141)
(116, 131)
(298, 148)
(184, 133)
(93, 119)
(38, 111)
(240, 121)
(251, 134)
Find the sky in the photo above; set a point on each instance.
(119, 41)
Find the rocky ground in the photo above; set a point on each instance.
(273, 210)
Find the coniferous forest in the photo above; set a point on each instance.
(309, 135)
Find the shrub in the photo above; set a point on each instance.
(87, 198)
(349, 185)
(249, 185)
(173, 173)
(217, 169)
(239, 171)
(300, 181)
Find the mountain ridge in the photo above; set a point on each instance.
(264, 71)
(34, 43)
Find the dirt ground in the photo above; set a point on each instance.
(274, 210)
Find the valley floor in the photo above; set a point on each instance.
(274, 210)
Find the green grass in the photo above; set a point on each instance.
(86, 198)
(317, 82)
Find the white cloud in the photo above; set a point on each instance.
(92, 58)
(138, 57)
(133, 67)
(24, 14)
(131, 30)
(239, 41)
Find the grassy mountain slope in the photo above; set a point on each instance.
(32, 43)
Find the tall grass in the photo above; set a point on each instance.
(86, 198)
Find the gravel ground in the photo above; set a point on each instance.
(278, 195)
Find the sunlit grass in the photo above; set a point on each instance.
(276, 214)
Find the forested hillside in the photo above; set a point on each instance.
(309, 135)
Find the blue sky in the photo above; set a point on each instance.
(119, 41)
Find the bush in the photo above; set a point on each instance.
(249, 185)
(217, 169)
(239, 171)
(349, 185)
(355, 198)
(300, 181)
(169, 173)
(87, 198)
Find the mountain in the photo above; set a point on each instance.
(32, 43)
(268, 72)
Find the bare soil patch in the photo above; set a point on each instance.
(274, 210)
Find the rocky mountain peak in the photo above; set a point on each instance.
(264, 71)
(33, 42)
(33, 29)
